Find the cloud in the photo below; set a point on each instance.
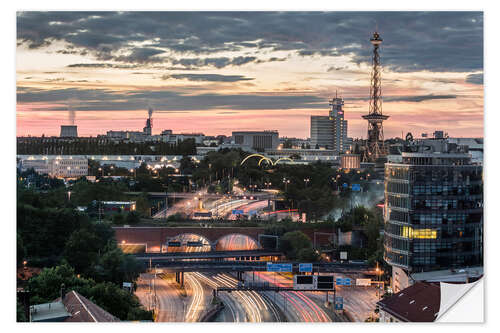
(413, 41)
(474, 78)
(208, 77)
(166, 100)
(406, 98)
(417, 99)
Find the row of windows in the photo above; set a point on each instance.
(443, 204)
(446, 174)
(397, 187)
(440, 189)
(395, 201)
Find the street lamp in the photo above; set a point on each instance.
(306, 180)
(286, 182)
(69, 195)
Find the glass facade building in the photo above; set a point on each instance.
(433, 211)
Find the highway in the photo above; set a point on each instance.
(297, 306)
(174, 305)
(240, 306)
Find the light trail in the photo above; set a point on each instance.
(297, 297)
(196, 305)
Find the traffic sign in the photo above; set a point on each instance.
(237, 211)
(344, 185)
(252, 212)
(363, 282)
(279, 267)
(339, 303)
(306, 268)
(324, 282)
(356, 187)
(303, 282)
(343, 282)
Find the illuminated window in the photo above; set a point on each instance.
(425, 233)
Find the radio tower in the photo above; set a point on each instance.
(375, 141)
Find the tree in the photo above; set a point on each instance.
(81, 250)
(143, 205)
(132, 218)
(21, 250)
(293, 242)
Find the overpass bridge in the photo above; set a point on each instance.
(248, 266)
(236, 255)
(157, 237)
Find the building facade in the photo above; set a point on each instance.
(62, 167)
(69, 131)
(350, 161)
(433, 211)
(330, 131)
(259, 140)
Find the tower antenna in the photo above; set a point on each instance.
(375, 147)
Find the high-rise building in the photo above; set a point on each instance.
(69, 131)
(321, 132)
(330, 131)
(339, 124)
(258, 140)
(433, 210)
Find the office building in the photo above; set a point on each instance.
(433, 210)
(350, 161)
(330, 132)
(61, 167)
(69, 131)
(257, 140)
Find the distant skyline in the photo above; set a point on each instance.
(215, 72)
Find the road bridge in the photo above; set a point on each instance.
(248, 266)
(241, 255)
(156, 237)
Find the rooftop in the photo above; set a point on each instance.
(73, 308)
(418, 303)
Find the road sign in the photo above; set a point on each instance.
(324, 282)
(339, 303)
(279, 267)
(127, 284)
(237, 211)
(252, 212)
(363, 282)
(306, 268)
(303, 282)
(344, 185)
(343, 255)
(356, 187)
(343, 282)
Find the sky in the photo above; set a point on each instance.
(217, 72)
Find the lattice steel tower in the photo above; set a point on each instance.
(375, 147)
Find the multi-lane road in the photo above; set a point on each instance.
(190, 304)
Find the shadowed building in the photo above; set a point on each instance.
(433, 211)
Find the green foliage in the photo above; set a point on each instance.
(20, 316)
(132, 218)
(98, 146)
(81, 250)
(293, 242)
(142, 204)
(46, 287)
(307, 254)
(21, 250)
(118, 218)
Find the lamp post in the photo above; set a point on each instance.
(69, 195)
(286, 182)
